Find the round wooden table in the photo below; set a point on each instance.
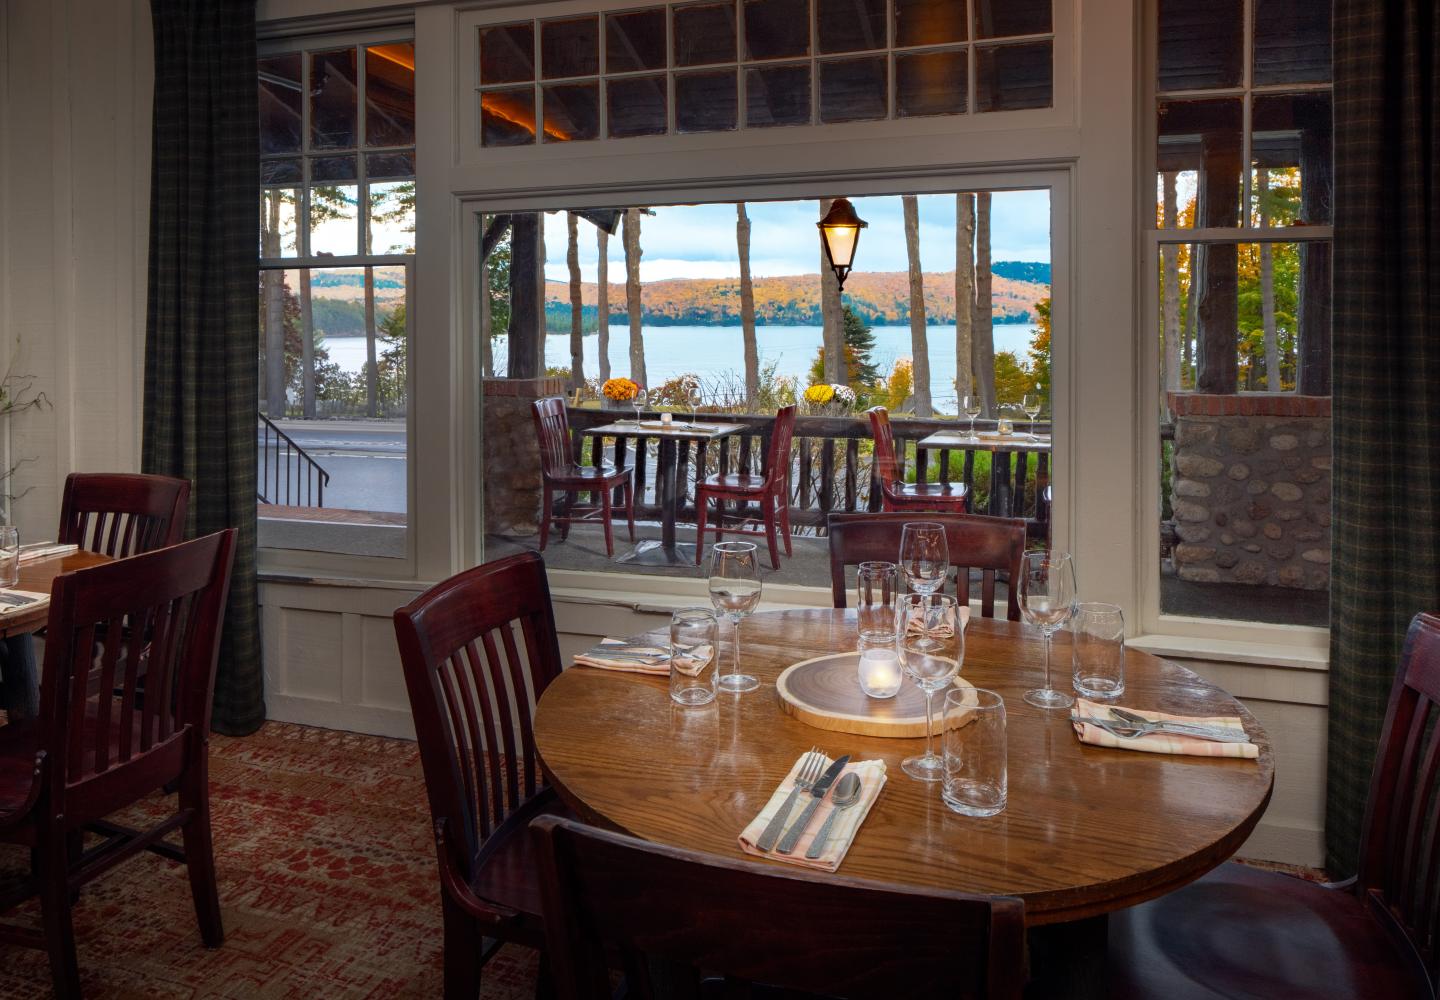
(1087, 829)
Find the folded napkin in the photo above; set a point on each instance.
(916, 625)
(595, 657)
(46, 550)
(872, 779)
(1159, 742)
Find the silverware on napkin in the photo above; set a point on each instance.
(1134, 730)
(817, 794)
(804, 780)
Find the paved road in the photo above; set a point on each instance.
(366, 462)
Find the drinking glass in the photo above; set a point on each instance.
(875, 607)
(932, 647)
(735, 592)
(639, 403)
(972, 407)
(1031, 405)
(694, 398)
(694, 639)
(1047, 598)
(9, 556)
(924, 556)
(975, 780)
(1097, 651)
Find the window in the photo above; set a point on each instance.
(337, 169)
(758, 64)
(1242, 234)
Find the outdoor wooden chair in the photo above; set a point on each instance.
(992, 545)
(89, 754)
(826, 935)
(771, 491)
(121, 514)
(561, 473)
(478, 650)
(1242, 932)
(895, 493)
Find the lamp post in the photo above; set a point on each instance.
(840, 233)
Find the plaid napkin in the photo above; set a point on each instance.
(1159, 742)
(872, 779)
(595, 657)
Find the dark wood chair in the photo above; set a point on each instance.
(90, 755)
(770, 490)
(478, 651)
(833, 936)
(561, 473)
(993, 545)
(122, 514)
(1241, 932)
(895, 493)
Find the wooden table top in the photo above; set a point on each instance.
(958, 441)
(678, 429)
(36, 576)
(1087, 829)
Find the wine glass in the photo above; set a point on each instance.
(638, 401)
(735, 592)
(1047, 600)
(1031, 405)
(972, 407)
(924, 556)
(694, 398)
(932, 647)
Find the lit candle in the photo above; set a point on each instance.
(879, 673)
(665, 418)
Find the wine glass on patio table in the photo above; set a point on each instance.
(1031, 405)
(694, 398)
(932, 647)
(972, 407)
(638, 401)
(924, 556)
(735, 592)
(1047, 600)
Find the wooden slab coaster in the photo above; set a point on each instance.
(824, 692)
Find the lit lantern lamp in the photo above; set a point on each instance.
(840, 233)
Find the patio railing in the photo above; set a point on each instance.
(831, 467)
(288, 475)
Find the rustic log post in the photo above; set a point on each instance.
(1312, 352)
(526, 338)
(1219, 186)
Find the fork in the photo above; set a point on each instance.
(1129, 731)
(809, 773)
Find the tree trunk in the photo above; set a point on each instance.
(984, 327)
(832, 317)
(307, 347)
(525, 326)
(1170, 289)
(1267, 286)
(919, 346)
(487, 352)
(747, 308)
(274, 315)
(964, 296)
(1192, 309)
(540, 293)
(631, 237)
(577, 310)
(1216, 357)
(602, 305)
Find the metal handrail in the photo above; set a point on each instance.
(307, 485)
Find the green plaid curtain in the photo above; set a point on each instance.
(1386, 378)
(201, 367)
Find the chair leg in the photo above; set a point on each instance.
(200, 855)
(546, 512)
(630, 508)
(51, 869)
(770, 518)
(605, 516)
(701, 502)
(461, 953)
(785, 523)
(571, 499)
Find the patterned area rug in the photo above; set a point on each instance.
(327, 885)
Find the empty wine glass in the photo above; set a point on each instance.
(972, 407)
(638, 401)
(924, 556)
(932, 647)
(735, 592)
(694, 398)
(1031, 405)
(1047, 599)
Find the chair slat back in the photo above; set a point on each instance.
(157, 614)
(884, 445)
(992, 545)
(122, 514)
(777, 462)
(552, 429)
(478, 651)
(841, 937)
(1400, 856)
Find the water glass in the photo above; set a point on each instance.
(1097, 651)
(924, 556)
(975, 781)
(932, 647)
(735, 593)
(9, 556)
(875, 604)
(694, 639)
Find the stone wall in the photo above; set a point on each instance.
(1250, 489)
(511, 453)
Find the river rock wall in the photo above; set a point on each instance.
(512, 453)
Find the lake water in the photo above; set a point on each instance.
(712, 350)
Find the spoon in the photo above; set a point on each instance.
(847, 793)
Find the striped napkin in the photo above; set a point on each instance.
(1160, 742)
(916, 625)
(842, 834)
(595, 657)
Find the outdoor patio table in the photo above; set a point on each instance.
(1087, 830)
(1000, 448)
(665, 552)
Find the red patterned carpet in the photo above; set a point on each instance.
(327, 883)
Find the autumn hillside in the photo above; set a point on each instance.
(881, 298)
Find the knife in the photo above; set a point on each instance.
(817, 793)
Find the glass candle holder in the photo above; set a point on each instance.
(879, 666)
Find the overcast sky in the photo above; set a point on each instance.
(698, 241)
